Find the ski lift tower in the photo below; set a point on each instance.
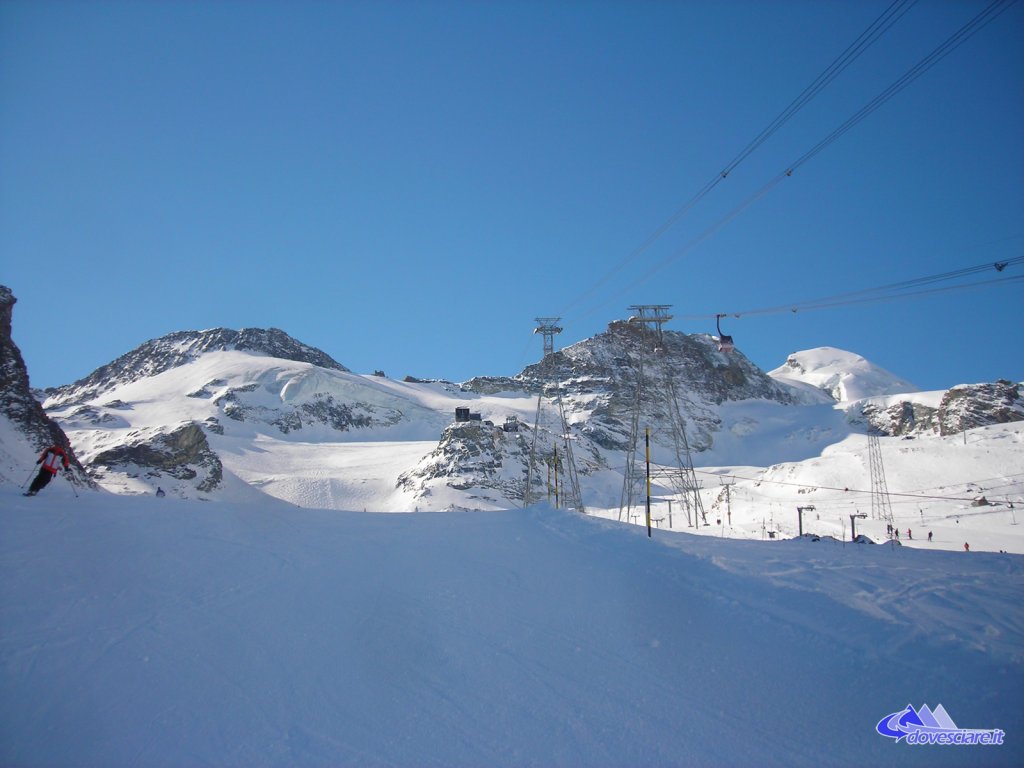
(652, 314)
(549, 327)
(881, 507)
(683, 478)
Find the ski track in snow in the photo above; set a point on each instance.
(142, 631)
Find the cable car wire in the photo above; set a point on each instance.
(958, 38)
(873, 32)
(968, 30)
(878, 27)
(884, 292)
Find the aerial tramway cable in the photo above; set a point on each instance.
(978, 22)
(954, 41)
(890, 292)
(875, 30)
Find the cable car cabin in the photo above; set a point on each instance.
(724, 342)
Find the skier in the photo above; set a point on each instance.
(50, 459)
(909, 534)
(929, 535)
(967, 547)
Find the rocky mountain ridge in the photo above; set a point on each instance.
(598, 378)
(965, 406)
(181, 348)
(180, 452)
(187, 410)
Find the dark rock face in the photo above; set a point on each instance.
(323, 410)
(900, 419)
(962, 407)
(474, 455)
(978, 405)
(16, 397)
(697, 369)
(183, 454)
(599, 378)
(176, 349)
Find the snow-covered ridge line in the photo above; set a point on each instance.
(183, 347)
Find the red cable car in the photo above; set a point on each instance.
(724, 342)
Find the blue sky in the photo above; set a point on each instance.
(407, 185)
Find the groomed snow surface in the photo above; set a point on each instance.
(163, 632)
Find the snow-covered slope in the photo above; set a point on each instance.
(161, 632)
(843, 375)
(184, 347)
(965, 489)
(313, 436)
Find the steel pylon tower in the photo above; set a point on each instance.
(683, 478)
(548, 326)
(881, 507)
(652, 314)
(574, 498)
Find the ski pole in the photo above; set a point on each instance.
(29, 478)
(68, 475)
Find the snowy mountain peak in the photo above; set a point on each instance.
(845, 376)
(183, 347)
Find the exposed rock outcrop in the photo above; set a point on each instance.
(963, 407)
(899, 419)
(599, 376)
(474, 455)
(17, 402)
(182, 454)
(978, 405)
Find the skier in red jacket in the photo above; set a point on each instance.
(51, 460)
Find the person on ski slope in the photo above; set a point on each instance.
(50, 461)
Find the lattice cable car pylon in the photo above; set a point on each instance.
(548, 326)
(881, 507)
(683, 478)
